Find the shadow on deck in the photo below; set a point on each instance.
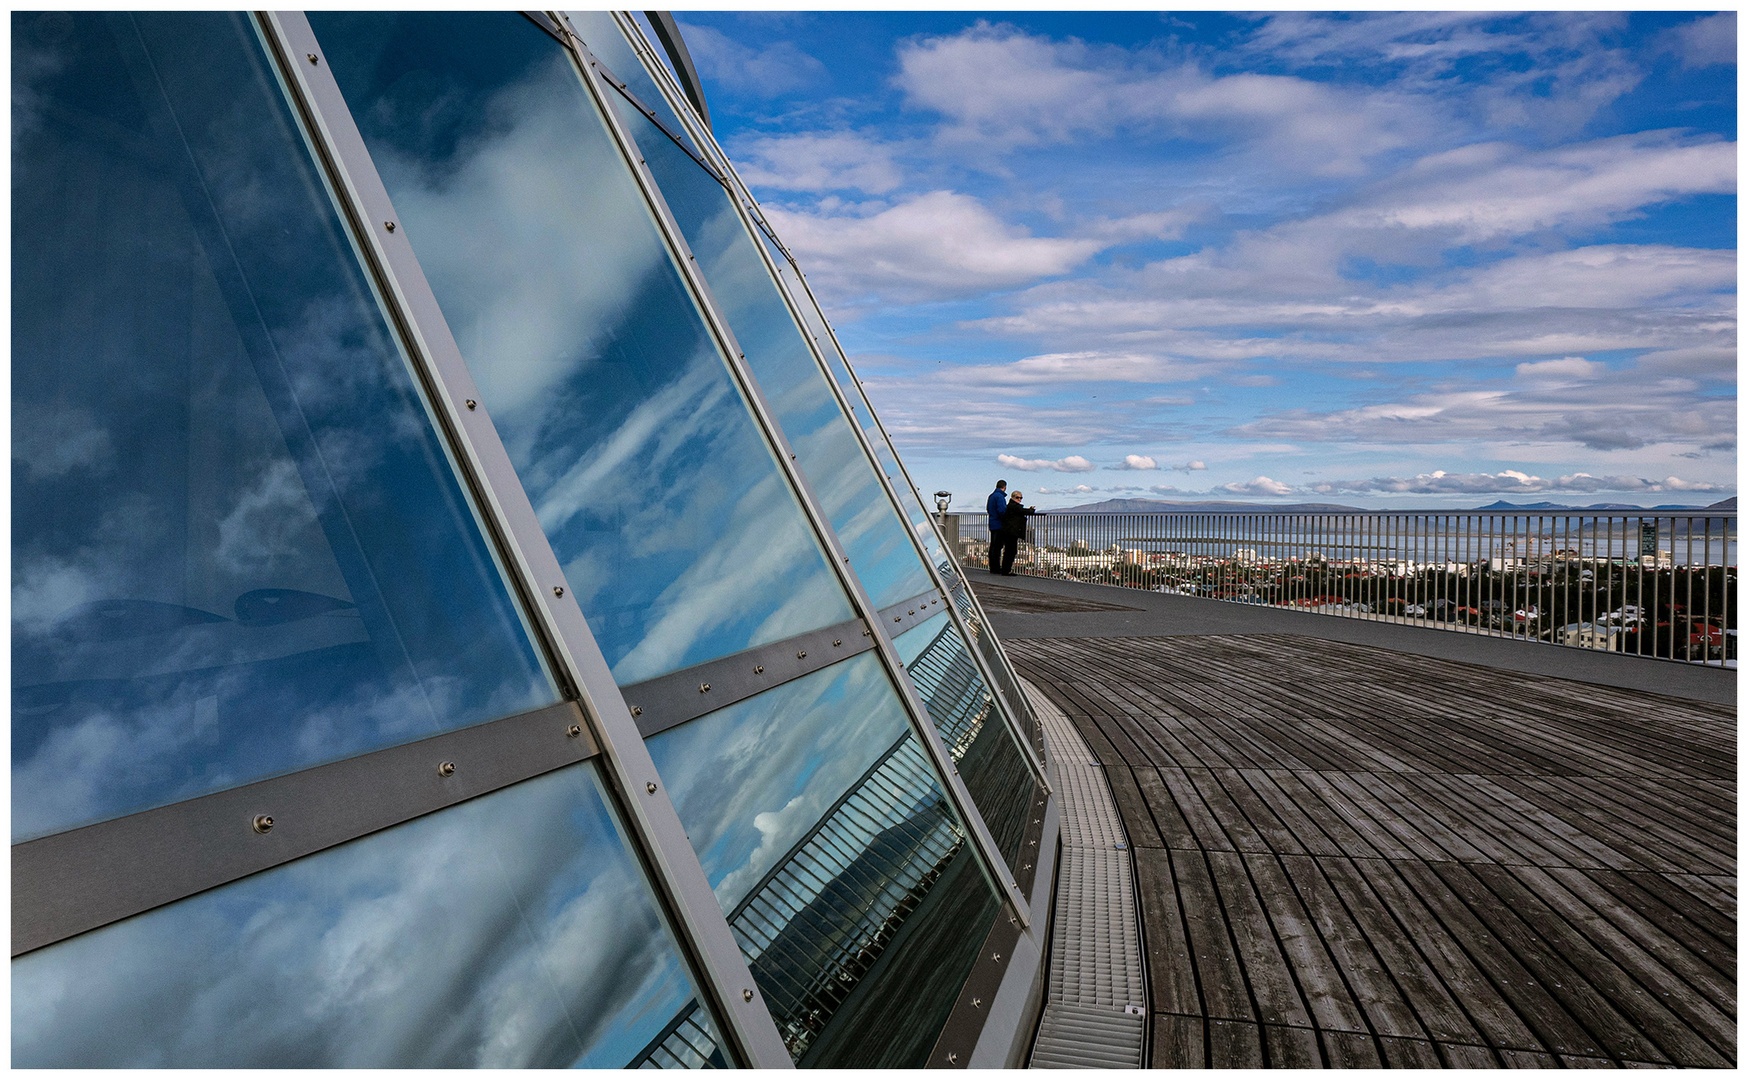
(1352, 856)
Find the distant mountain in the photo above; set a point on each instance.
(1728, 505)
(1159, 506)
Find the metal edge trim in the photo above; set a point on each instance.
(79, 880)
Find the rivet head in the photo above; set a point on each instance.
(312, 58)
(977, 1003)
(746, 995)
(802, 655)
(758, 669)
(952, 1059)
(704, 688)
(262, 823)
(472, 404)
(637, 710)
(650, 787)
(446, 769)
(389, 225)
(837, 644)
(558, 590)
(574, 730)
(996, 957)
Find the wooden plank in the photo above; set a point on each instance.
(1174, 831)
(1685, 1026)
(1179, 1042)
(1447, 840)
(1325, 993)
(1513, 985)
(1233, 822)
(1717, 984)
(1234, 1045)
(1691, 907)
(1132, 807)
(1206, 827)
(1438, 1012)
(1332, 825)
(1218, 972)
(1386, 1011)
(1546, 970)
(1350, 1050)
(1271, 833)
(1465, 1056)
(1170, 971)
(1399, 1053)
(1525, 1059)
(1445, 955)
(1291, 1047)
(1276, 996)
(1311, 839)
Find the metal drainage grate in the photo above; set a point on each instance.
(1095, 1014)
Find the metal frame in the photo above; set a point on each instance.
(989, 856)
(1014, 717)
(695, 917)
(70, 882)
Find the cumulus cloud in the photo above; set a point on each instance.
(1071, 464)
(1189, 466)
(1705, 41)
(777, 69)
(1262, 485)
(824, 161)
(941, 244)
(1507, 482)
(1136, 462)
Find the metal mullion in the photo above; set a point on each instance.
(989, 855)
(1013, 713)
(652, 824)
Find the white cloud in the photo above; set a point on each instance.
(930, 247)
(1506, 481)
(1706, 41)
(1071, 464)
(769, 72)
(1566, 369)
(1262, 485)
(827, 161)
(1189, 466)
(1135, 462)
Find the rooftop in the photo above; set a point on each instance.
(1441, 851)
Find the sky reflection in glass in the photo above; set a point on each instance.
(510, 931)
(841, 476)
(238, 546)
(678, 534)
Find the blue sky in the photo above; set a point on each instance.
(1397, 259)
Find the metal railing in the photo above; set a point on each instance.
(1656, 583)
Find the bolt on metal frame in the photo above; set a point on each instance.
(1014, 715)
(653, 825)
(989, 857)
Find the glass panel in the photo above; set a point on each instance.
(510, 931)
(841, 477)
(238, 546)
(678, 533)
(846, 878)
(963, 709)
(604, 39)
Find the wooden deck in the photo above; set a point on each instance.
(1355, 857)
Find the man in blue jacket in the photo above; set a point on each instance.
(997, 506)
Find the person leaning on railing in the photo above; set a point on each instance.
(1013, 530)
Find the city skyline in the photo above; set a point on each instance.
(1383, 260)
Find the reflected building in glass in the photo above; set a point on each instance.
(464, 611)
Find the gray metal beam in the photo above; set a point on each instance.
(84, 878)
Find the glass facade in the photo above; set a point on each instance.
(263, 558)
